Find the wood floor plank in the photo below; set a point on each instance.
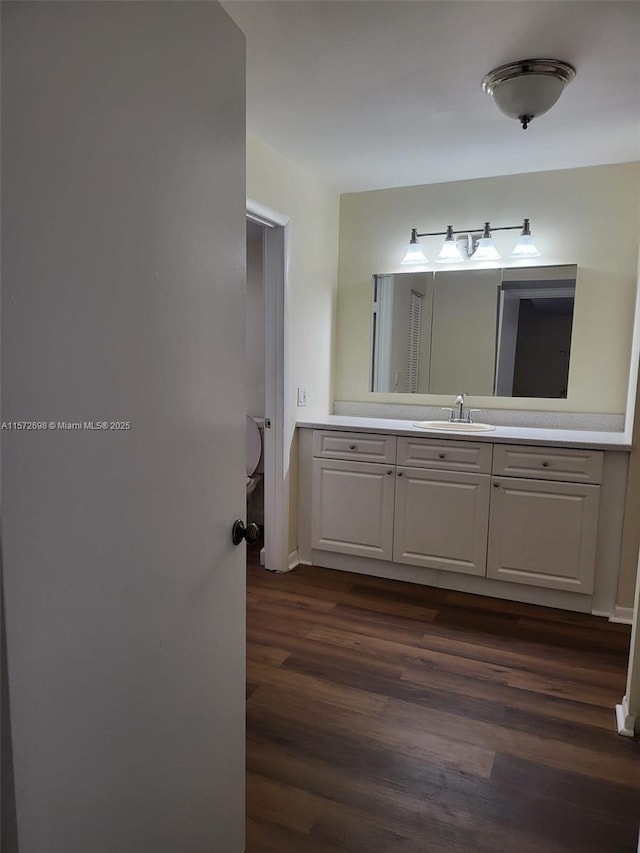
(551, 707)
(265, 653)
(279, 614)
(565, 688)
(533, 654)
(316, 689)
(332, 720)
(399, 799)
(298, 645)
(266, 837)
(500, 739)
(283, 804)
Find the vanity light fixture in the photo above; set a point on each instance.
(480, 238)
(527, 88)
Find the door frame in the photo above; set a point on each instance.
(276, 252)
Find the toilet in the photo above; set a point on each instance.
(255, 462)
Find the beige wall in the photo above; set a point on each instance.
(313, 211)
(586, 216)
(463, 345)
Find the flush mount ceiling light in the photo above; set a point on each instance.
(478, 239)
(529, 88)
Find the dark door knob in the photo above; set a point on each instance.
(239, 532)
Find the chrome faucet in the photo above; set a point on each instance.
(459, 402)
(458, 414)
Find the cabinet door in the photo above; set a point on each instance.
(543, 533)
(441, 520)
(352, 508)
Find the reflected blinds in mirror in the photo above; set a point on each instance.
(415, 328)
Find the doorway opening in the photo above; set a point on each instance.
(267, 406)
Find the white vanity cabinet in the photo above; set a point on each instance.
(353, 498)
(544, 521)
(530, 522)
(442, 504)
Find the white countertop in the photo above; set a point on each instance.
(503, 435)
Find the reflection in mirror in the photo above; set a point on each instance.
(479, 332)
(401, 331)
(534, 341)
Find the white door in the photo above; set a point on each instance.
(123, 289)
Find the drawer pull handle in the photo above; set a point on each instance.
(441, 455)
(545, 464)
(352, 447)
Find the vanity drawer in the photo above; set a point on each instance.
(363, 446)
(445, 454)
(548, 463)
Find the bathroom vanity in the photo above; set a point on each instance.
(525, 514)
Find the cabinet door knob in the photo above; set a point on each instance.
(545, 464)
(441, 455)
(496, 484)
(399, 473)
(352, 447)
(389, 471)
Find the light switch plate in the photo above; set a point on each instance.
(302, 397)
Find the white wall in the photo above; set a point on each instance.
(313, 211)
(586, 216)
(255, 321)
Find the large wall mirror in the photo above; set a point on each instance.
(482, 332)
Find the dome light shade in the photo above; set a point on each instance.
(485, 250)
(525, 247)
(413, 253)
(450, 253)
(529, 88)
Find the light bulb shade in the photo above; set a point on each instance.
(526, 89)
(485, 250)
(525, 248)
(414, 255)
(450, 253)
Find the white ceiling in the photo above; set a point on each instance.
(387, 93)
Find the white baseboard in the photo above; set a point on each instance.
(622, 614)
(294, 560)
(625, 721)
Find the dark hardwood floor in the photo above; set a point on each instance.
(383, 716)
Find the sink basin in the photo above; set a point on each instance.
(448, 426)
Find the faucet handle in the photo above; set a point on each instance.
(448, 409)
(470, 412)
